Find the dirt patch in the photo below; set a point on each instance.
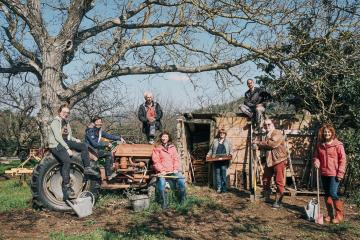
(222, 216)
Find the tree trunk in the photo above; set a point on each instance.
(51, 89)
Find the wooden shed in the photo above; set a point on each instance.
(196, 132)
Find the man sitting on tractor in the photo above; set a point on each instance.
(167, 165)
(93, 137)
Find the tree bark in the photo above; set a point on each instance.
(50, 88)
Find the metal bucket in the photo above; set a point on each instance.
(83, 204)
(139, 202)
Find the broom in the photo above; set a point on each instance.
(319, 219)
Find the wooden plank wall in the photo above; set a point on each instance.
(299, 142)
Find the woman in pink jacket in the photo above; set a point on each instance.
(330, 159)
(166, 163)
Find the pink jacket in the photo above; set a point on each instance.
(331, 158)
(165, 160)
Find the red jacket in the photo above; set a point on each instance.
(165, 160)
(331, 157)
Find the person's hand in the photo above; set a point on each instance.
(70, 152)
(109, 145)
(78, 140)
(176, 171)
(317, 165)
(162, 174)
(151, 119)
(338, 179)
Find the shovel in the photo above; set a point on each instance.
(319, 218)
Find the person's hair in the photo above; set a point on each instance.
(221, 130)
(147, 93)
(62, 106)
(165, 132)
(320, 135)
(94, 119)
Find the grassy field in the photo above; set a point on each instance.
(205, 215)
(14, 195)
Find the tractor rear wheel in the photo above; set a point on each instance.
(46, 183)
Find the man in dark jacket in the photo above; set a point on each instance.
(255, 101)
(93, 136)
(150, 114)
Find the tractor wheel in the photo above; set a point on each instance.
(46, 183)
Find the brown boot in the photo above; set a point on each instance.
(330, 209)
(339, 210)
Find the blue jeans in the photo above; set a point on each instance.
(220, 173)
(330, 186)
(179, 182)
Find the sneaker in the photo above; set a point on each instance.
(109, 178)
(276, 205)
(218, 190)
(92, 172)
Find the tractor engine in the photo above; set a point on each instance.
(132, 162)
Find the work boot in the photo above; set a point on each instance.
(68, 192)
(278, 200)
(339, 211)
(91, 172)
(265, 196)
(330, 209)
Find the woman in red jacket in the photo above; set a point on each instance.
(330, 159)
(167, 164)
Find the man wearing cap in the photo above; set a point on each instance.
(150, 114)
(276, 159)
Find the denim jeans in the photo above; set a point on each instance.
(330, 186)
(179, 182)
(258, 111)
(220, 174)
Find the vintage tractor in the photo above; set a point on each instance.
(132, 162)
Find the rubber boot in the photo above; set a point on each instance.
(182, 196)
(339, 211)
(163, 199)
(330, 209)
(278, 200)
(265, 196)
(91, 172)
(68, 192)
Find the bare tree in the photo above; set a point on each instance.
(18, 126)
(70, 47)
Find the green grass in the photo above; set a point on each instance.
(137, 232)
(12, 164)
(108, 198)
(14, 195)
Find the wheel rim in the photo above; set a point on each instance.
(52, 183)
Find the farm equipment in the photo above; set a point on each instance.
(132, 163)
(34, 154)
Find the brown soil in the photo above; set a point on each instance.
(229, 216)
